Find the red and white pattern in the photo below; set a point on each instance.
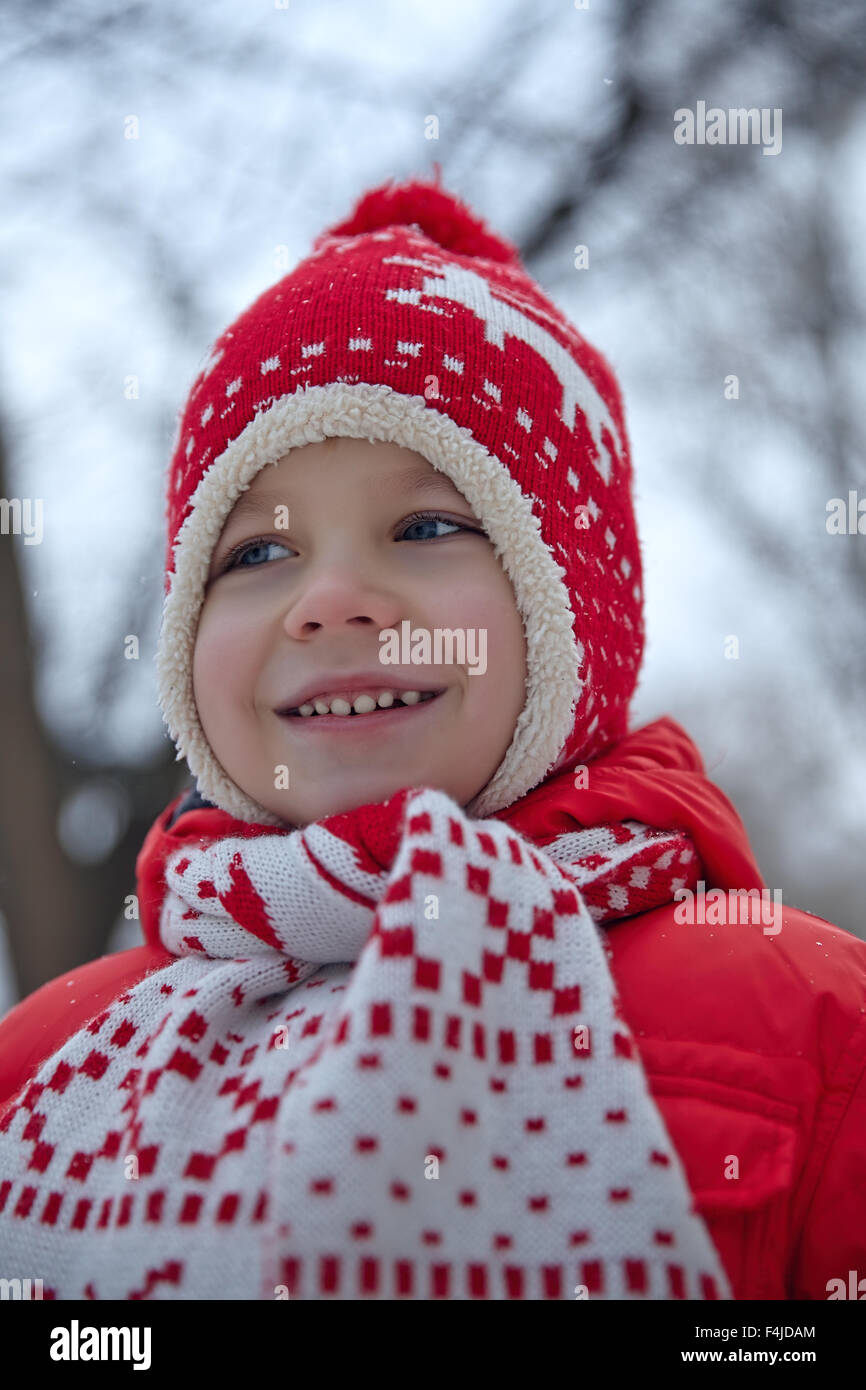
(388, 1063)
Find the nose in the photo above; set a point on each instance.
(337, 596)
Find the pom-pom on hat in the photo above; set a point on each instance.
(412, 323)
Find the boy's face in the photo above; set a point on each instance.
(330, 560)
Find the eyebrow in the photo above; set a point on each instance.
(411, 479)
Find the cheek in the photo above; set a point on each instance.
(485, 603)
(224, 659)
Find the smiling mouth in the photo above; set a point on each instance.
(396, 712)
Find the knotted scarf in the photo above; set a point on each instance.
(387, 1062)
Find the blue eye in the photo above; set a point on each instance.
(420, 518)
(237, 557)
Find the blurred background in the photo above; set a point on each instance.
(163, 164)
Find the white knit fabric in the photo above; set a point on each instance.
(413, 1084)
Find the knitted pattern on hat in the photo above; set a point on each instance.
(460, 1112)
(412, 323)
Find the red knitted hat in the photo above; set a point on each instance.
(412, 323)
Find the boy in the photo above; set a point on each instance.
(420, 1013)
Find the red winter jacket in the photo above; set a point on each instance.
(754, 1044)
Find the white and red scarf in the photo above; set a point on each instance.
(388, 1063)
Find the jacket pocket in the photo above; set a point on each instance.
(741, 1167)
(736, 1159)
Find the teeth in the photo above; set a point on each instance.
(363, 704)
